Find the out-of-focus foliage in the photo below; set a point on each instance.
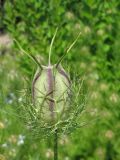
(95, 58)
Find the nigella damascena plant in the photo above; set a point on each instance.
(52, 94)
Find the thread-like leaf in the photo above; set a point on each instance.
(60, 60)
(33, 58)
(52, 45)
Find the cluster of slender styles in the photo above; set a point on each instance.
(54, 104)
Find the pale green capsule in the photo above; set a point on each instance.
(50, 87)
(50, 92)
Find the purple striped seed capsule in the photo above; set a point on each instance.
(50, 92)
(51, 87)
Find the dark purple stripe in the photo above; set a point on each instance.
(62, 72)
(33, 85)
(50, 80)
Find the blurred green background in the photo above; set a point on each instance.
(94, 58)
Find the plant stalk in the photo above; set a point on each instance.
(56, 145)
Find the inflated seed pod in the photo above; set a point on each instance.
(50, 92)
(50, 88)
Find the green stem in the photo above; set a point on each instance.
(56, 145)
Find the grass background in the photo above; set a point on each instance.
(96, 57)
